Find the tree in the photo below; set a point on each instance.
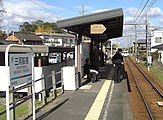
(1, 33)
(40, 26)
(26, 27)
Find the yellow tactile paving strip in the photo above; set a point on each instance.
(97, 106)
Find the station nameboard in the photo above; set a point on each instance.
(20, 69)
(97, 29)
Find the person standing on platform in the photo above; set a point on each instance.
(118, 62)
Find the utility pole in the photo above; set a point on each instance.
(82, 12)
(136, 47)
(147, 61)
(1, 14)
(130, 45)
(137, 51)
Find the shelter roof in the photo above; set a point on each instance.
(111, 19)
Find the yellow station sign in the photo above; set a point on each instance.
(97, 29)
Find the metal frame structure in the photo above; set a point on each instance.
(8, 89)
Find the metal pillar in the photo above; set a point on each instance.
(91, 50)
(111, 47)
(61, 56)
(79, 57)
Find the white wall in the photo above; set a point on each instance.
(154, 35)
(3, 78)
(38, 71)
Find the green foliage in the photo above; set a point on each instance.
(142, 55)
(1, 33)
(40, 26)
(157, 70)
(2, 107)
(155, 55)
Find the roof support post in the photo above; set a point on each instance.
(91, 51)
(94, 54)
(102, 54)
(79, 52)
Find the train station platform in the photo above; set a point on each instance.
(102, 100)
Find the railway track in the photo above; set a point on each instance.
(145, 93)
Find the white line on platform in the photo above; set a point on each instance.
(86, 87)
(97, 106)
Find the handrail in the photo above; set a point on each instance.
(24, 99)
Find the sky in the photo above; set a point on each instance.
(19, 11)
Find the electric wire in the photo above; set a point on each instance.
(140, 18)
(57, 16)
(134, 19)
(22, 16)
(149, 8)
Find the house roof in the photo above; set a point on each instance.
(159, 47)
(111, 19)
(5, 42)
(27, 36)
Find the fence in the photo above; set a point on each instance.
(47, 90)
(43, 92)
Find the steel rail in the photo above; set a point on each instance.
(144, 100)
(156, 88)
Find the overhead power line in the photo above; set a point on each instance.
(140, 16)
(138, 10)
(57, 16)
(22, 16)
(67, 6)
(134, 19)
(141, 11)
(149, 8)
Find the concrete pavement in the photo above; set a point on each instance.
(101, 100)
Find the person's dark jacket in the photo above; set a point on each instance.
(117, 58)
(87, 68)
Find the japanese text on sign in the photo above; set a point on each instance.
(20, 69)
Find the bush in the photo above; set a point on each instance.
(155, 55)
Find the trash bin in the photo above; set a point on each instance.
(70, 78)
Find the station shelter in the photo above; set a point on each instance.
(99, 27)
